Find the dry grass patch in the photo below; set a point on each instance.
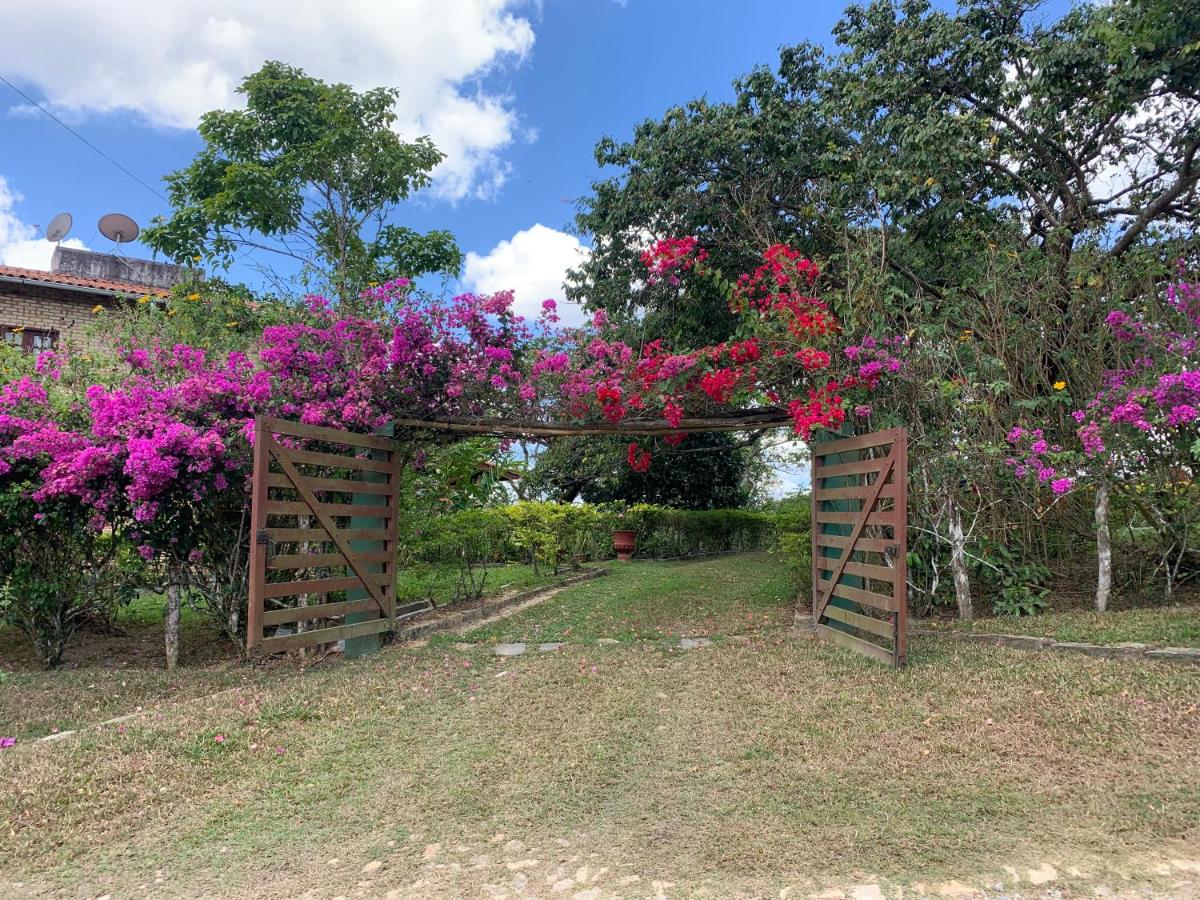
(738, 767)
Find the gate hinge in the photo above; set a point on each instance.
(263, 537)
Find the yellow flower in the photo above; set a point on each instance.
(930, 181)
(196, 258)
(1060, 385)
(172, 311)
(97, 308)
(145, 298)
(193, 296)
(231, 324)
(966, 335)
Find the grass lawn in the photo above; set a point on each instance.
(739, 769)
(646, 600)
(441, 584)
(1166, 626)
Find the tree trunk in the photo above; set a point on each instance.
(174, 604)
(1103, 549)
(958, 565)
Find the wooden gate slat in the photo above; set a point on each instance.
(340, 485)
(328, 435)
(859, 595)
(318, 535)
(340, 510)
(881, 627)
(882, 518)
(277, 589)
(320, 560)
(325, 635)
(318, 611)
(862, 492)
(869, 570)
(856, 643)
(866, 545)
(334, 461)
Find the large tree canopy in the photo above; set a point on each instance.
(706, 471)
(311, 172)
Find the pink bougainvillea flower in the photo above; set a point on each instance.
(6, 742)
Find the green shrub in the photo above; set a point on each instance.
(56, 574)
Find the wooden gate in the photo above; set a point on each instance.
(860, 542)
(323, 561)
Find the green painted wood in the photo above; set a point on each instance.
(824, 553)
(358, 644)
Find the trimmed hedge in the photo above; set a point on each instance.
(558, 535)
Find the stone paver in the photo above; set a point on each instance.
(694, 643)
(550, 645)
(508, 649)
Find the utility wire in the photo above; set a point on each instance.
(85, 140)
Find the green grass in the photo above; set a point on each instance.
(442, 584)
(654, 600)
(1167, 626)
(735, 770)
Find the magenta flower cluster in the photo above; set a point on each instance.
(1148, 406)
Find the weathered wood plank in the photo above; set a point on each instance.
(861, 467)
(857, 442)
(855, 643)
(319, 560)
(858, 595)
(300, 508)
(277, 589)
(324, 635)
(866, 545)
(337, 461)
(881, 627)
(341, 485)
(858, 492)
(296, 535)
(886, 517)
(328, 435)
(321, 611)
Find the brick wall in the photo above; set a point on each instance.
(51, 309)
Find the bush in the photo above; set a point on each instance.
(793, 540)
(556, 536)
(57, 574)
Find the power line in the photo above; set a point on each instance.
(85, 140)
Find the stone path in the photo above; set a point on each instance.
(520, 648)
(504, 867)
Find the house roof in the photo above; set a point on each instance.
(78, 282)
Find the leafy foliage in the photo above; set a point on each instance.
(311, 172)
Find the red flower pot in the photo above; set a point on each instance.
(623, 543)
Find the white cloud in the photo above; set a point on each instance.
(20, 243)
(169, 62)
(533, 264)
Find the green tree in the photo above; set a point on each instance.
(311, 172)
(707, 471)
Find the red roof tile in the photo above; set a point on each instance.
(62, 279)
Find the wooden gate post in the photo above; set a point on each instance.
(367, 644)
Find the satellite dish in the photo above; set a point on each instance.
(58, 228)
(118, 227)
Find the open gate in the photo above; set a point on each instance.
(860, 542)
(323, 560)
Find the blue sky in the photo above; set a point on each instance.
(516, 92)
(542, 83)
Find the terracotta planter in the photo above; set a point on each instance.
(623, 543)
